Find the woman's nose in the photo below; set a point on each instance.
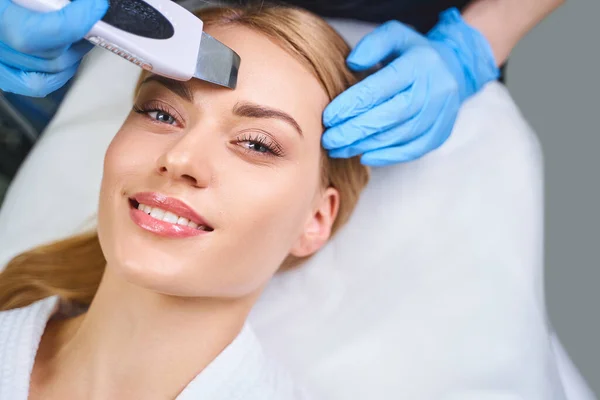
(185, 161)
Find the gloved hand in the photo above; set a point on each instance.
(409, 107)
(40, 52)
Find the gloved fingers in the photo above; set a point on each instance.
(33, 84)
(393, 112)
(387, 40)
(414, 149)
(397, 135)
(35, 33)
(59, 79)
(83, 47)
(29, 63)
(413, 128)
(372, 91)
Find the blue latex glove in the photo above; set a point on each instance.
(407, 108)
(40, 52)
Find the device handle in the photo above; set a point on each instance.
(157, 35)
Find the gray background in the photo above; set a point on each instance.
(553, 77)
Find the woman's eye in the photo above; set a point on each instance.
(162, 116)
(259, 144)
(256, 146)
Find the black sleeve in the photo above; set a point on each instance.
(421, 14)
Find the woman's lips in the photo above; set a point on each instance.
(181, 221)
(162, 228)
(171, 204)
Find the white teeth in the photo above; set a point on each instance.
(182, 221)
(157, 213)
(170, 217)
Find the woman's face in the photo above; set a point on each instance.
(243, 164)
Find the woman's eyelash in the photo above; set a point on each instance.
(261, 144)
(158, 108)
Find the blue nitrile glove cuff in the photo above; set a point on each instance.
(466, 51)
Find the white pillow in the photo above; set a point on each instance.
(433, 290)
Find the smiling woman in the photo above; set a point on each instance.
(206, 194)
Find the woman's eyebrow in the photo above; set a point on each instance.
(181, 89)
(242, 109)
(253, 110)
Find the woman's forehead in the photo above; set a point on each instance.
(268, 74)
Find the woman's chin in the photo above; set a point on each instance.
(149, 274)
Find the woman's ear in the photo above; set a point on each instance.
(317, 229)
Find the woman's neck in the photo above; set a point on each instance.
(134, 343)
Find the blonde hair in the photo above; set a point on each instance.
(72, 268)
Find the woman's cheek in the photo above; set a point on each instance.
(133, 149)
(121, 156)
(262, 189)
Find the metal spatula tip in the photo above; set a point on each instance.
(217, 63)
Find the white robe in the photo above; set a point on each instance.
(241, 371)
